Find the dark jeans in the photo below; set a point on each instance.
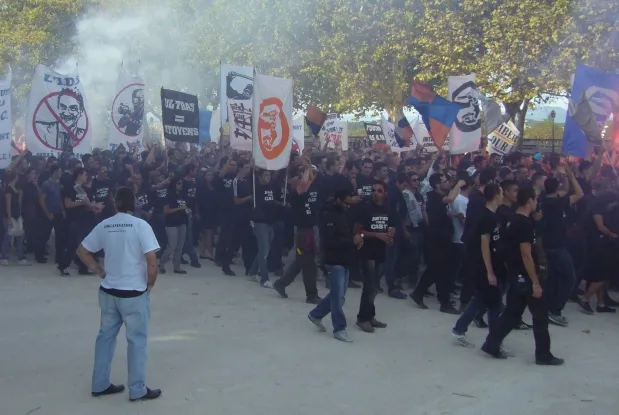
(304, 262)
(77, 231)
(478, 306)
(264, 236)
(437, 272)
(44, 231)
(189, 247)
(457, 259)
(157, 222)
(578, 250)
(274, 261)
(235, 233)
(512, 315)
(367, 310)
(334, 301)
(561, 278)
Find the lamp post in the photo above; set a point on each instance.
(553, 114)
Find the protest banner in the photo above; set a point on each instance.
(57, 117)
(127, 113)
(503, 139)
(334, 133)
(180, 116)
(374, 132)
(389, 130)
(272, 127)
(5, 121)
(465, 134)
(236, 83)
(298, 135)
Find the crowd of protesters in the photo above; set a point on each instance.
(535, 231)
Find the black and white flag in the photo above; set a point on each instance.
(374, 132)
(180, 116)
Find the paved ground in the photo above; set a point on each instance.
(222, 345)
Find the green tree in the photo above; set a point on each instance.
(543, 130)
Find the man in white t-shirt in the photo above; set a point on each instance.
(129, 273)
(457, 212)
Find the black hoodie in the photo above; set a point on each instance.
(336, 236)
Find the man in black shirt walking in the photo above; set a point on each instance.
(525, 287)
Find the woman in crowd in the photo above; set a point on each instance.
(12, 216)
(207, 197)
(176, 214)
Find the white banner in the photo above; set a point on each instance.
(299, 133)
(127, 114)
(503, 139)
(424, 139)
(5, 121)
(389, 132)
(272, 126)
(334, 134)
(240, 116)
(237, 83)
(57, 115)
(465, 136)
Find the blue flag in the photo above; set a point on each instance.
(595, 92)
(205, 125)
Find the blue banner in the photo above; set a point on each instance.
(205, 125)
(601, 89)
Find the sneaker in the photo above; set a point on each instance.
(352, 284)
(397, 294)
(184, 261)
(196, 264)
(585, 307)
(267, 284)
(317, 323)
(480, 323)
(111, 390)
(365, 326)
(506, 352)
(63, 272)
(254, 278)
(41, 260)
(150, 395)
(610, 302)
(573, 298)
(557, 320)
(496, 354)
(523, 326)
(311, 300)
(418, 301)
(342, 336)
(605, 309)
(550, 361)
(162, 269)
(24, 263)
(378, 324)
(428, 294)
(280, 290)
(227, 271)
(462, 340)
(380, 290)
(180, 271)
(4, 262)
(449, 309)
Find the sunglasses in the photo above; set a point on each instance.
(378, 191)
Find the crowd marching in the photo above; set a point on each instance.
(496, 234)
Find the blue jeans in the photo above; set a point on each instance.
(561, 279)
(277, 246)
(188, 247)
(334, 301)
(264, 236)
(391, 259)
(18, 241)
(135, 314)
(476, 307)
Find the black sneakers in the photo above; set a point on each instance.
(605, 309)
(418, 301)
(111, 390)
(497, 354)
(480, 323)
(449, 309)
(280, 290)
(549, 361)
(150, 395)
(585, 307)
(227, 271)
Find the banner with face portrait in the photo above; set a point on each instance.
(127, 117)
(57, 117)
(465, 135)
(272, 125)
(503, 140)
(5, 121)
(236, 84)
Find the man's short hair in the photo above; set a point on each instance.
(491, 191)
(508, 184)
(525, 195)
(435, 179)
(551, 185)
(124, 200)
(487, 175)
(74, 94)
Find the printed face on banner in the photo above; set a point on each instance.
(273, 128)
(128, 110)
(239, 86)
(603, 102)
(60, 121)
(469, 116)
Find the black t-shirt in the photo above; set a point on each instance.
(225, 192)
(143, 199)
(207, 201)
(264, 212)
(15, 211)
(242, 188)
(102, 193)
(440, 226)
(596, 206)
(504, 214)
(364, 185)
(554, 214)
(488, 224)
(305, 207)
(474, 210)
(189, 193)
(158, 198)
(177, 218)
(30, 201)
(374, 218)
(519, 230)
(78, 213)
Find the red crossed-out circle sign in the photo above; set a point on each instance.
(116, 98)
(48, 103)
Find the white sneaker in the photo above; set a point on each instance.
(4, 262)
(254, 278)
(462, 340)
(342, 336)
(268, 284)
(507, 352)
(24, 262)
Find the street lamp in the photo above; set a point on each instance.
(553, 114)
